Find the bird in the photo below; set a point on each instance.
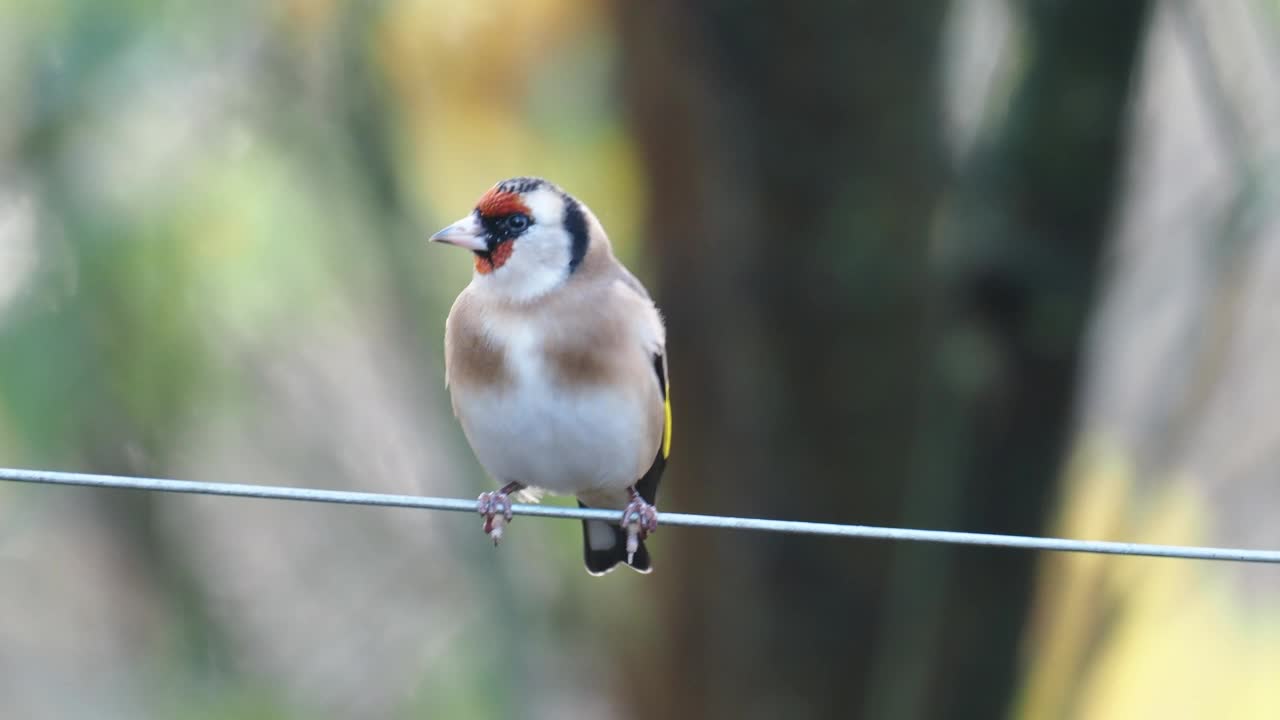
(556, 366)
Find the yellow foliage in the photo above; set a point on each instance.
(1124, 638)
(463, 75)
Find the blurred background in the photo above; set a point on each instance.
(1008, 266)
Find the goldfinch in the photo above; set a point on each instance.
(555, 359)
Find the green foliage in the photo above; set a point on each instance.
(227, 203)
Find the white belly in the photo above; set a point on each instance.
(565, 442)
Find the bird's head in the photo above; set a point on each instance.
(528, 237)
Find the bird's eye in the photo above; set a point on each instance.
(517, 223)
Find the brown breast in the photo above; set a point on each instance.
(474, 358)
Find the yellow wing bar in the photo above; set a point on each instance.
(666, 429)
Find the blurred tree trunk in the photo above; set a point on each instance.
(1018, 263)
(795, 176)
(795, 165)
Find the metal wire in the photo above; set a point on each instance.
(268, 492)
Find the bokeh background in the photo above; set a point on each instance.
(990, 265)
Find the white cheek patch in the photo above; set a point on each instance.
(540, 256)
(546, 207)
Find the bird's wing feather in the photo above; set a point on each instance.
(648, 485)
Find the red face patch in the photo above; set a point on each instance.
(489, 262)
(497, 203)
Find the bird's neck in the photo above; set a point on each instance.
(518, 286)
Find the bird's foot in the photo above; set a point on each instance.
(639, 519)
(495, 507)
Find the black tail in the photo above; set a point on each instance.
(604, 546)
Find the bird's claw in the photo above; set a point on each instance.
(495, 508)
(639, 519)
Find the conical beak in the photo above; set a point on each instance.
(466, 233)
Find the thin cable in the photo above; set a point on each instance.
(343, 497)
